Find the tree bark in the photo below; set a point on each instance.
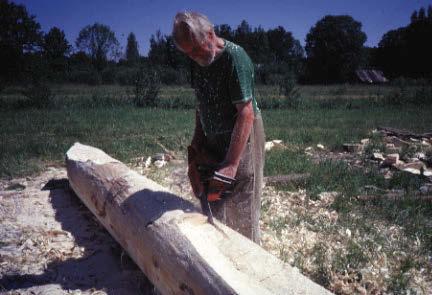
(170, 240)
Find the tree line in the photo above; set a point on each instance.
(406, 51)
(334, 49)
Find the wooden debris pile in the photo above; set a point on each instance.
(399, 150)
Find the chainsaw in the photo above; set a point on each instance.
(217, 187)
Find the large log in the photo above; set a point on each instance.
(170, 240)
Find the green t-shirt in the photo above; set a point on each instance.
(222, 84)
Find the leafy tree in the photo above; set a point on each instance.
(163, 52)
(272, 58)
(370, 57)
(224, 31)
(132, 54)
(243, 29)
(175, 59)
(19, 35)
(419, 49)
(334, 47)
(405, 52)
(171, 64)
(80, 58)
(99, 42)
(277, 53)
(157, 52)
(55, 44)
(243, 34)
(259, 47)
(283, 46)
(55, 49)
(414, 16)
(429, 12)
(392, 48)
(82, 70)
(146, 88)
(421, 14)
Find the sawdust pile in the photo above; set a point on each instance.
(50, 243)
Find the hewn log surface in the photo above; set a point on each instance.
(170, 240)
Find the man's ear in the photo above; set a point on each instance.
(211, 35)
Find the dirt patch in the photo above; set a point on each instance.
(50, 243)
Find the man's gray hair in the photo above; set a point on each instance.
(190, 25)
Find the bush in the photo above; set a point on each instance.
(423, 93)
(39, 95)
(340, 91)
(270, 102)
(98, 100)
(177, 102)
(399, 95)
(408, 91)
(109, 75)
(168, 76)
(126, 76)
(85, 76)
(334, 103)
(171, 76)
(288, 88)
(146, 88)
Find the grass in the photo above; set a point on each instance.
(31, 139)
(269, 97)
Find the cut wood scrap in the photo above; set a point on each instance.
(286, 179)
(276, 143)
(418, 168)
(404, 133)
(172, 243)
(167, 151)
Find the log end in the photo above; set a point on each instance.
(83, 153)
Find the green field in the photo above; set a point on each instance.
(101, 116)
(269, 97)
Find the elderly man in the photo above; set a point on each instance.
(228, 126)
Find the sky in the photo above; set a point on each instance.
(145, 17)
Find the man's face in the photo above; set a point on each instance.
(202, 53)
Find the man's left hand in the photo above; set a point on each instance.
(219, 185)
(239, 138)
(229, 171)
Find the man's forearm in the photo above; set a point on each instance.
(240, 134)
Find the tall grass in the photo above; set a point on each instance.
(31, 136)
(269, 97)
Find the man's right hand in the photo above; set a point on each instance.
(198, 157)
